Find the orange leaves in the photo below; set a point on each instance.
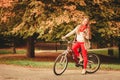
(6, 15)
(6, 3)
(71, 7)
(100, 1)
(4, 19)
(5, 10)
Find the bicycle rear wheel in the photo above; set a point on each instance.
(60, 64)
(93, 63)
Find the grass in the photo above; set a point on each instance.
(4, 51)
(7, 51)
(105, 52)
(110, 66)
(30, 62)
(102, 66)
(49, 64)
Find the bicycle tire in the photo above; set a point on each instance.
(60, 64)
(93, 63)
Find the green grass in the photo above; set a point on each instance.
(8, 51)
(43, 64)
(104, 51)
(110, 66)
(29, 63)
(5, 51)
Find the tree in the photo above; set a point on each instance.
(41, 17)
(6, 18)
(45, 17)
(107, 16)
(10, 14)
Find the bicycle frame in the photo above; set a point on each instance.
(61, 61)
(69, 48)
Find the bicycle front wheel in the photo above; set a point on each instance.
(93, 63)
(60, 64)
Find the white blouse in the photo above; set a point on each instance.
(80, 35)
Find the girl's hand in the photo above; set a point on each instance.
(63, 38)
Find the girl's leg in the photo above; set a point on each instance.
(84, 54)
(75, 48)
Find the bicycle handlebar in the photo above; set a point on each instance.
(68, 41)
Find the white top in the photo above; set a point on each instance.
(80, 35)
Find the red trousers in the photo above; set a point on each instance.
(80, 45)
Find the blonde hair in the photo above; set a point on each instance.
(78, 30)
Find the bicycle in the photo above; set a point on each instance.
(61, 62)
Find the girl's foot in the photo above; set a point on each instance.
(83, 71)
(80, 59)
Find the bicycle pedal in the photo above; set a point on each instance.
(77, 65)
(81, 63)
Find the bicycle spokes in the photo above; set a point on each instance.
(60, 64)
(93, 63)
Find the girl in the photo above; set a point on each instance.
(82, 41)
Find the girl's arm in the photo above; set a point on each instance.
(71, 33)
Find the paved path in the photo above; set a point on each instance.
(10, 72)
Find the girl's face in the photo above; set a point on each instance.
(85, 21)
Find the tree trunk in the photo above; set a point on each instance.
(14, 50)
(119, 47)
(119, 51)
(30, 47)
(14, 45)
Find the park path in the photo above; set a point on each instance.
(12, 72)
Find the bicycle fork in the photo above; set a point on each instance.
(62, 60)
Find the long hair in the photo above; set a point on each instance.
(82, 27)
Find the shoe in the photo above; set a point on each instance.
(83, 71)
(80, 59)
(77, 64)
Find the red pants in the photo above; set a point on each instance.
(75, 49)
